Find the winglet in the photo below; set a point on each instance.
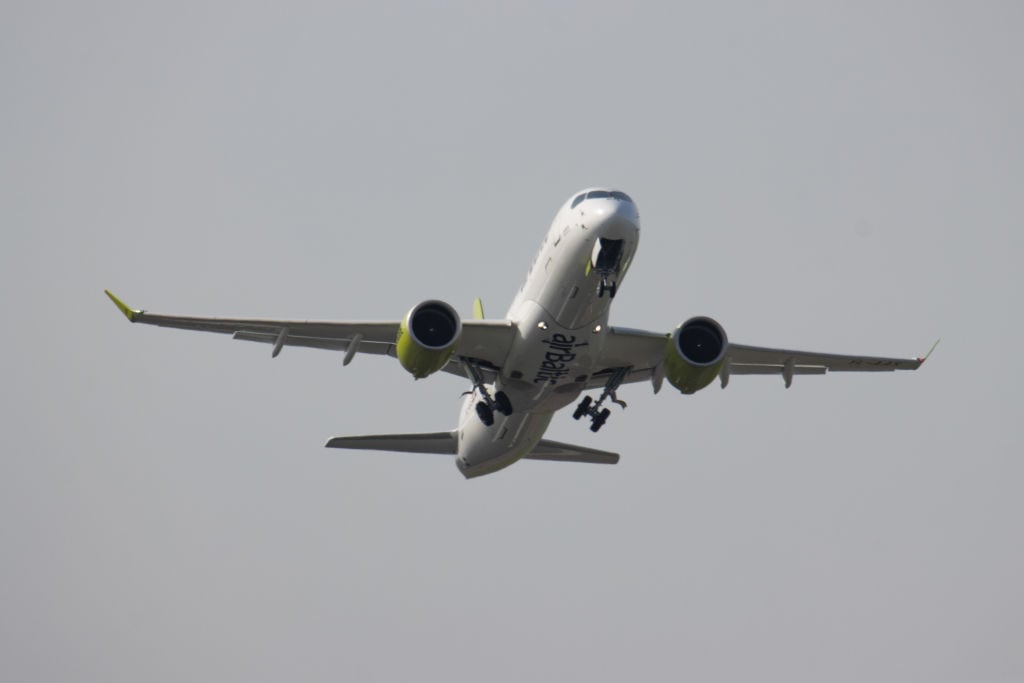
(129, 313)
(922, 360)
(478, 309)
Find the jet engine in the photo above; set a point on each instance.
(427, 337)
(694, 354)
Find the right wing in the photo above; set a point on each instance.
(486, 341)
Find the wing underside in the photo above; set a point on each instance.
(485, 341)
(643, 352)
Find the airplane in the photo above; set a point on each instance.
(554, 344)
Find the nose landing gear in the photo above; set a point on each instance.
(605, 286)
(606, 260)
(599, 416)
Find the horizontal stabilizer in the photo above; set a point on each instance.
(567, 452)
(433, 442)
(444, 443)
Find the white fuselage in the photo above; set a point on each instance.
(561, 317)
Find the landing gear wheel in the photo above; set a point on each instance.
(484, 412)
(612, 288)
(582, 408)
(502, 404)
(485, 408)
(592, 409)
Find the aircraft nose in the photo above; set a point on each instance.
(614, 217)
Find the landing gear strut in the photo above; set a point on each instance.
(486, 407)
(599, 416)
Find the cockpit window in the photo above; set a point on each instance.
(600, 194)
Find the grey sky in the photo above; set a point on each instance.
(831, 176)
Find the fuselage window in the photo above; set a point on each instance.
(576, 202)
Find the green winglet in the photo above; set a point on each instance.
(478, 309)
(129, 313)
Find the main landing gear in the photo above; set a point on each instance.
(486, 407)
(599, 416)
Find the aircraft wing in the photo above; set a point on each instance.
(639, 350)
(487, 341)
(643, 352)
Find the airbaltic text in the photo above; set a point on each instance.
(558, 359)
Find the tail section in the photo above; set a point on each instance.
(445, 443)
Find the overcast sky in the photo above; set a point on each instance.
(838, 177)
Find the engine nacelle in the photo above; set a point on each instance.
(427, 337)
(694, 354)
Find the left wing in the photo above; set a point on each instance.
(756, 360)
(644, 351)
(487, 341)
